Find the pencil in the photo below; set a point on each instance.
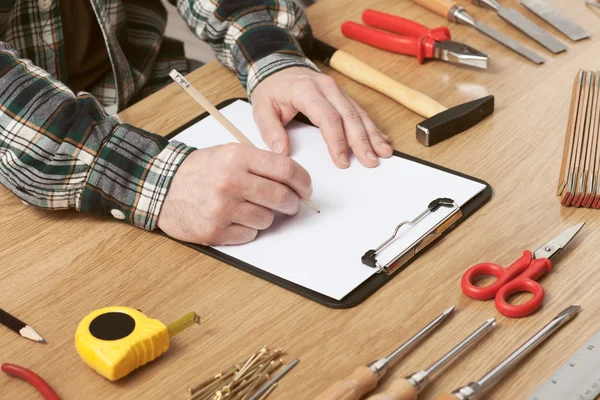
(20, 327)
(216, 114)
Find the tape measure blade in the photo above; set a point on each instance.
(577, 379)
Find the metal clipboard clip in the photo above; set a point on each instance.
(370, 257)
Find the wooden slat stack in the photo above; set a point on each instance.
(580, 171)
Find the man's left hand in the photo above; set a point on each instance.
(278, 98)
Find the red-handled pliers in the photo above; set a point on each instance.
(412, 38)
(33, 379)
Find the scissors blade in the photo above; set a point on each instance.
(554, 246)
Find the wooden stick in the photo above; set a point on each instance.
(570, 135)
(216, 114)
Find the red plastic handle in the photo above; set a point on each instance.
(504, 276)
(421, 48)
(404, 26)
(526, 282)
(33, 379)
(520, 285)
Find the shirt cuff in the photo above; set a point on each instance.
(272, 63)
(131, 175)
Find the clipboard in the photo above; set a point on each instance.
(376, 281)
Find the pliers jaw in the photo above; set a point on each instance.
(460, 53)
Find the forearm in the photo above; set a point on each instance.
(254, 40)
(59, 151)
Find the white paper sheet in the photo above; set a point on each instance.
(360, 207)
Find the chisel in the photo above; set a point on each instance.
(526, 26)
(410, 387)
(365, 378)
(475, 390)
(455, 13)
(551, 15)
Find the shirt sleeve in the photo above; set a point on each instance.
(255, 38)
(60, 151)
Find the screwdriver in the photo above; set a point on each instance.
(475, 390)
(455, 13)
(410, 387)
(365, 378)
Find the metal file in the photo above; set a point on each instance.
(529, 28)
(460, 15)
(551, 15)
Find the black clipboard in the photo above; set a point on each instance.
(373, 283)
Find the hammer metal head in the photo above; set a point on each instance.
(454, 120)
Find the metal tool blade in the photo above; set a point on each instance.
(476, 390)
(556, 244)
(563, 317)
(532, 30)
(459, 53)
(508, 42)
(420, 379)
(554, 17)
(381, 366)
(471, 339)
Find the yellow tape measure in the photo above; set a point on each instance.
(114, 341)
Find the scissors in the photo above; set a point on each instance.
(400, 35)
(519, 277)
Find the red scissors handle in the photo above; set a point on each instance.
(519, 277)
(420, 47)
(520, 285)
(404, 26)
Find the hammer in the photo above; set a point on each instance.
(441, 123)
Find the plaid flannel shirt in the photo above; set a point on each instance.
(60, 150)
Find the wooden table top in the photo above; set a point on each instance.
(59, 266)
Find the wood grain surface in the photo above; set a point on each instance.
(59, 266)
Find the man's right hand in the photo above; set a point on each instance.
(226, 194)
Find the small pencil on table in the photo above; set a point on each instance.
(20, 327)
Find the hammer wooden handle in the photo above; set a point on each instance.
(439, 7)
(357, 70)
(359, 383)
(400, 389)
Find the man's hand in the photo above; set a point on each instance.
(278, 98)
(226, 194)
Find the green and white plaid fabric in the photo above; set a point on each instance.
(62, 150)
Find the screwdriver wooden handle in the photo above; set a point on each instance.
(363, 73)
(400, 389)
(439, 7)
(446, 396)
(359, 383)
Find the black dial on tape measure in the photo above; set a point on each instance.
(112, 326)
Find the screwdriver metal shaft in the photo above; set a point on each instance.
(380, 367)
(410, 387)
(475, 390)
(365, 378)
